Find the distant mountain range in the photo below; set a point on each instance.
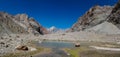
(53, 29)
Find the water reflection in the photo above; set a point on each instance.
(56, 48)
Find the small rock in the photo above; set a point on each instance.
(10, 36)
(2, 38)
(18, 36)
(10, 39)
(7, 46)
(32, 49)
(2, 43)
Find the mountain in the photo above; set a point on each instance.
(7, 25)
(100, 19)
(53, 29)
(114, 16)
(19, 23)
(93, 17)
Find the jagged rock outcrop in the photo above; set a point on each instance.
(93, 17)
(19, 24)
(7, 25)
(29, 24)
(114, 17)
(104, 19)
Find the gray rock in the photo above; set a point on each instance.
(105, 27)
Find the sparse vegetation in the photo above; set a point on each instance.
(75, 51)
(96, 53)
(86, 51)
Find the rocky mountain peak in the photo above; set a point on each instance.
(21, 22)
(114, 16)
(22, 17)
(94, 16)
(7, 25)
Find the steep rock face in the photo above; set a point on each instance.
(114, 17)
(7, 25)
(20, 24)
(93, 17)
(29, 24)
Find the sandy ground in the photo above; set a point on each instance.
(105, 48)
(82, 36)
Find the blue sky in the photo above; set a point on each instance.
(59, 13)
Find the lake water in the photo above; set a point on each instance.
(56, 44)
(56, 48)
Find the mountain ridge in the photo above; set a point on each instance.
(98, 15)
(20, 23)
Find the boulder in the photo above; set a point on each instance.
(22, 47)
(77, 44)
